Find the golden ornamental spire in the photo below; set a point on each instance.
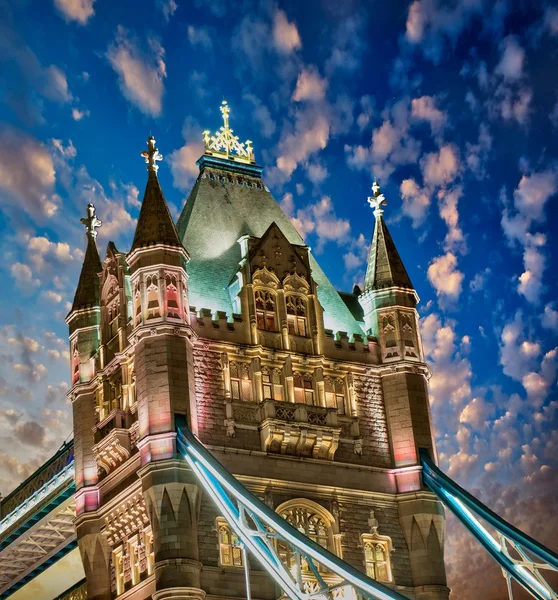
(225, 144)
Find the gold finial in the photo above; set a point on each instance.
(91, 222)
(377, 200)
(225, 144)
(152, 155)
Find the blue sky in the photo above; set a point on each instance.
(452, 106)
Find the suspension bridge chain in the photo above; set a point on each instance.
(521, 557)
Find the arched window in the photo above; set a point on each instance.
(303, 388)
(376, 559)
(313, 521)
(266, 310)
(173, 310)
(241, 384)
(296, 316)
(113, 312)
(152, 292)
(230, 552)
(272, 384)
(335, 393)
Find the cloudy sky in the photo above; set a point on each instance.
(452, 106)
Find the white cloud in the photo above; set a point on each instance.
(285, 34)
(440, 168)
(167, 7)
(78, 115)
(27, 177)
(316, 172)
(551, 20)
(477, 154)
(76, 10)
(550, 318)
(512, 59)
(478, 282)
(141, 73)
(42, 250)
(534, 191)
(454, 240)
(183, 161)
(261, 115)
(530, 281)
(445, 277)
(199, 36)
(425, 109)
(320, 219)
(309, 85)
(24, 276)
(416, 201)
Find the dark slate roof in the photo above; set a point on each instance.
(216, 214)
(155, 224)
(87, 292)
(385, 267)
(352, 303)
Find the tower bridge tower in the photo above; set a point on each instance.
(315, 400)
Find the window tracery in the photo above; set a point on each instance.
(313, 521)
(266, 315)
(303, 388)
(152, 293)
(272, 384)
(335, 393)
(296, 315)
(137, 303)
(230, 551)
(241, 384)
(75, 365)
(171, 282)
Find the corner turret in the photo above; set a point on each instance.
(389, 300)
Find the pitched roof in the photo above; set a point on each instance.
(385, 267)
(220, 209)
(155, 224)
(87, 292)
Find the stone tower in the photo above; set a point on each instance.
(315, 400)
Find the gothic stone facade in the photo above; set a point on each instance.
(228, 320)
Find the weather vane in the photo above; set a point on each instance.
(91, 222)
(152, 155)
(225, 144)
(377, 201)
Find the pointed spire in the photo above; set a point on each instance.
(155, 224)
(87, 292)
(385, 267)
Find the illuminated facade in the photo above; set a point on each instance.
(316, 400)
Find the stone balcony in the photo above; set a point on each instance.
(114, 440)
(287, 428)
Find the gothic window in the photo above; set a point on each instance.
(173, 310)
(230, 552)
(241, 384)
(135, 564)
(137, 303)
(266, 310)
(113, 313)
(296, 316)
(376, 559)
(388, 330)
(149, 551)
(313, 521)
(335, 394)
(408, 335)
(75, 365)
(272, 384)
(118, 569)
(303, 388)
(152, 293)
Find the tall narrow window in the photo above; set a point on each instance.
(113, 313)
(230, 552)
(152, 289)
(376, 558)
(303, 388)
(265, 310)
(173, 310)
(75, 365)
(118, 566)
(335, 394)
(296, 316)
(241, 384)
(149, 551)
(272, 384)
(137, 303)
